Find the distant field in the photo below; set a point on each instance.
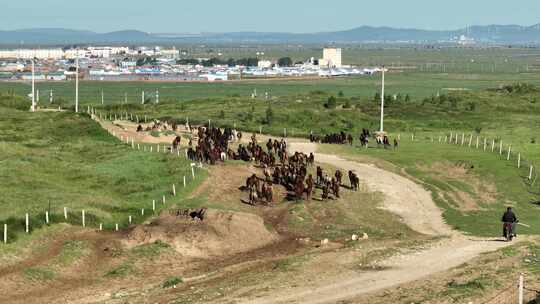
(417, 85)
(423, 58)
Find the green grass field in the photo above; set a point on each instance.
(302, 107)
(433, 164)
(52, 160)
(510, 117)
(417, 85)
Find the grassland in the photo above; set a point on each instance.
(52, 160)
(417, 84)
(499, 115)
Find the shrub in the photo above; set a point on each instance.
(172, 281)
(331, 103)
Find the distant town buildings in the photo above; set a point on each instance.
(154, 63)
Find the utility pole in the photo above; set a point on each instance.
(382, 101)
(33, 109)
(77, 83)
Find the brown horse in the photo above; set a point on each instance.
(355, 181)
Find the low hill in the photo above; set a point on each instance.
(491, 34)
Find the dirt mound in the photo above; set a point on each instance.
(222, 233)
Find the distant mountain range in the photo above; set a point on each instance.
(490, 34)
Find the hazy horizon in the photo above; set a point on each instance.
(167, 16)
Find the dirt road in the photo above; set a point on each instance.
(417, 209)
(403, 197)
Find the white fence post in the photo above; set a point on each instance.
(142, 212)
(27, 223)
(520, 291)
(47, 217)
(184, 181)
(129, 219)
(163, 200)
(116, 227)
(174, 190)
(5, 233)
(83, 219)
(493, 145)
(477, 142)
(500, 147)
(462, 139)
(65, 213)
(100, 227)
(509, 151)
(470, 141)
(519, 160)
(153, 205)
(530, 172)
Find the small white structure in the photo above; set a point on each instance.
(264, 64)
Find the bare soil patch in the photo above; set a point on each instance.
(222, 233)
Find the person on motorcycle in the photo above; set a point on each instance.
(509, 219)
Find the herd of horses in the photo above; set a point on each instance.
(292, 173)
(278, 166)
(343, 138)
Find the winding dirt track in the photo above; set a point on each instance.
(416, 208)
(403, 197)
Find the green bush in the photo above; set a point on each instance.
(172, 281)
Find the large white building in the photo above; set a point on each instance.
(331, 58)
(32, 53)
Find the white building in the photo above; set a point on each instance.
(100, 52)
(32, 53)
(171, 53)
(264, 64)
(75, 53)
(331, 58)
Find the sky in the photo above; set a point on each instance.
(300, 16)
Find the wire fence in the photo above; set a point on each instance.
(32, 220)
(527, 169)
(520, 292)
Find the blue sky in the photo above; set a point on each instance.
(255, 15)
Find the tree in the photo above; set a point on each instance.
(377, 97)
(340, 94)
(331, 103)
(407, 98)
(285, 62)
